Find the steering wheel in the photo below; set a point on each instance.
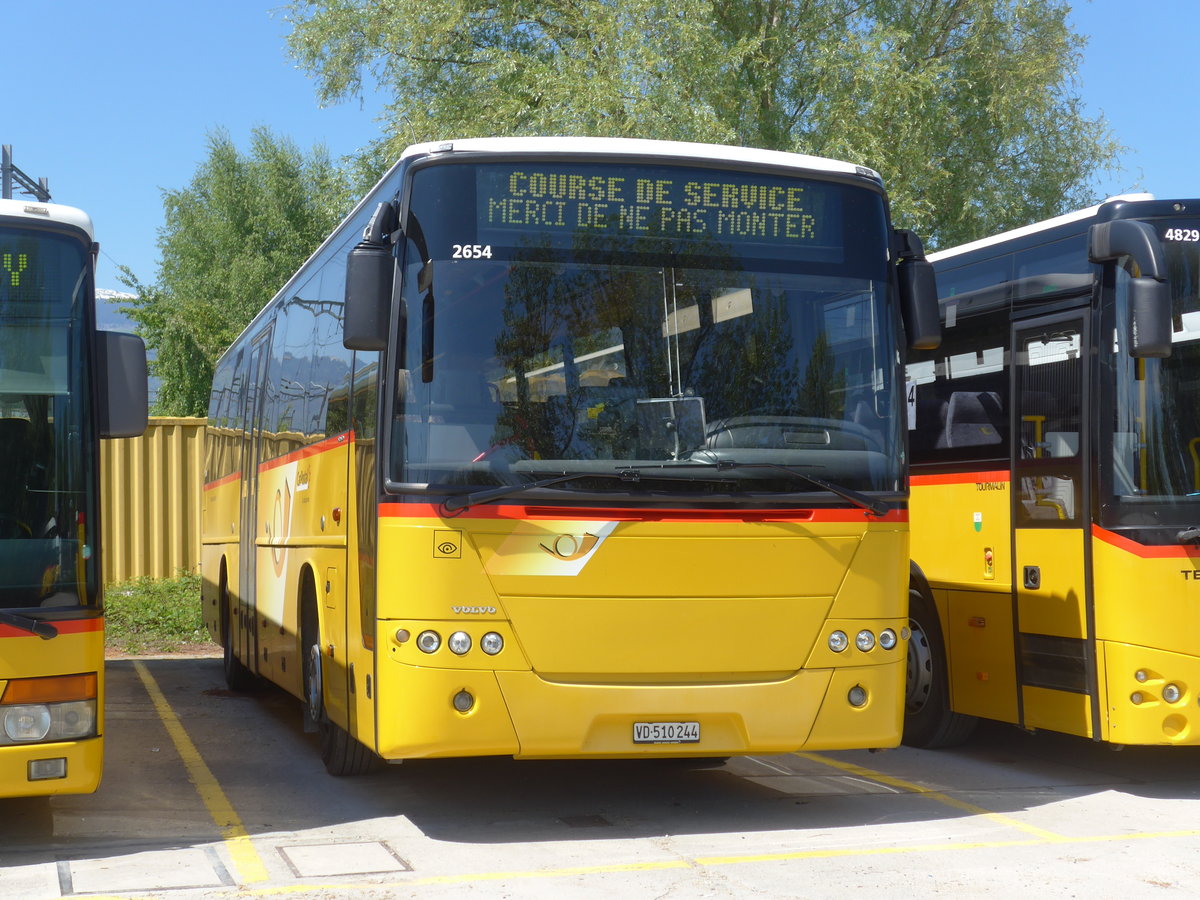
(13, 528)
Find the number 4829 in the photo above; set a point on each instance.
(1182, 234)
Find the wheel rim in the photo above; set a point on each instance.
(919, 681)
(312, 684)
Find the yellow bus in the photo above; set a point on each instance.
(565, 447)
(1055, 439)
(63, 385)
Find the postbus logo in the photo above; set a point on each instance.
(570, 547)
(553, 549)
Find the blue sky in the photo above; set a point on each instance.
(112, 101)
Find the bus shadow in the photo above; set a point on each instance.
(258, 756)
(1000, 769)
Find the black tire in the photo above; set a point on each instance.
(341, 754)
(237, 676)
(928, 719)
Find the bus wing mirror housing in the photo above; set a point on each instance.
(370, 268)
(917, 285)
(123, 396)
(1149, 293)
(1150, 323)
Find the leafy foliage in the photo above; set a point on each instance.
(154, 615)
(230, 240)
(967, 106)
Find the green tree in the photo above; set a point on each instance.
(968, 107)
(229, 241)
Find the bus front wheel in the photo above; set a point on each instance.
(928, 719)
(340, 752)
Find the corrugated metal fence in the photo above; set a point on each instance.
(150, 488)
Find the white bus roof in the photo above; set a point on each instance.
(47, 212)
(1032, 229)
(640, 147)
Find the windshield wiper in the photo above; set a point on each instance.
(870, 504)
(633, 474)
(487, 495)
(44, 630)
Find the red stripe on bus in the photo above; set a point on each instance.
(64, 626)
(338, 440)
(627, 514)
(1170, 551)
(228, 479)
(960, 478)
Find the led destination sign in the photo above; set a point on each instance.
(38, 268)
(657, 201)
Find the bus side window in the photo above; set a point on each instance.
(973, 419)
(1047, 469)
(963, 412)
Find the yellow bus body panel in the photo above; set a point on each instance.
(1147, 600)
(956, 521)
(723, 623)
(1060, 711)
(218, 544)
(961, 540)
(1137, 711)
(299, 530)
(1148, 626)
(979, 638)
(1059, 605)
(28, 656)
(85, 761)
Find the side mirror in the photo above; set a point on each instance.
(370, 268)
(122, 395)
(1149, 294)
(917, 286)
(1150, 324)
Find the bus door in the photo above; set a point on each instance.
(245, 636)
(1056, 667)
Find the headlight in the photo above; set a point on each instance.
(26, 723)
(838, 641)
(864, 640)
(73, 720)
(887, 639)
(429, 641)
(459, 643)
(491, 643)
(1171, 693)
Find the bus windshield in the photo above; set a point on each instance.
(586, 317)
(47, 466)
(1156, 439)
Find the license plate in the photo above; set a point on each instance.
(666, 732)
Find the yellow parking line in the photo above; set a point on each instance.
(945, 799)
(248, 865)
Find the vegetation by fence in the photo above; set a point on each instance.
(151, 490)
